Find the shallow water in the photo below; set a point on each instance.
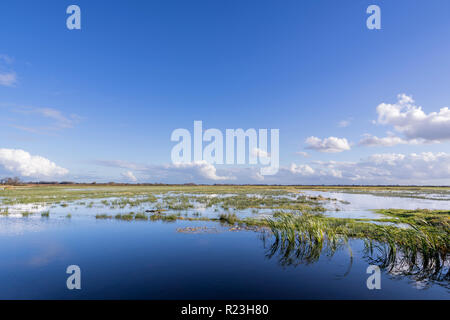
(140, 260)
(360, 205)
(154, 260)
(89, 208)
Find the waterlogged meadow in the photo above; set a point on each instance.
(225, 241)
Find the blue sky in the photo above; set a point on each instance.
(102, 102)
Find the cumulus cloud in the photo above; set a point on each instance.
(199, 171)
(199, 168)
(409, 119)
(329, 145)
(129, 175)
(302, 169)
(23, 163)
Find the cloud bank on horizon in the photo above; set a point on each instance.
(385, 168)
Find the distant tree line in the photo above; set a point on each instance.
(11, 181)
(16, 181)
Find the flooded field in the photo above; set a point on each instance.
(224, 242)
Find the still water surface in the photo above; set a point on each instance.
(153, 260)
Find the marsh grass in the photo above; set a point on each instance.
(165, 217)
(103, 216)
(125, 217)
(263, 201)
(421, 217)
(54, 194)
(229, 218)
(140, 216)
(45, 214)
(420, 251)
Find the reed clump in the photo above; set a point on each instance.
(422, 249)
(103, 216)
(164, 217)
(140, 216)
(45, 214)
(229, 218)
(125, 217)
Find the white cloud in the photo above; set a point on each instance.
(8, 79)
(302, 169)
(413, 122)
(129, 175)
(57, 119)
(199, 168)
(61, 120)
(372, 141)
(200, 171)
(386, 168)
(23, 163)
(40, 120)
(330, 145)
(260, 153)
(426, 165)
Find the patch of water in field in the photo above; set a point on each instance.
(338, 205)
(355, 205)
